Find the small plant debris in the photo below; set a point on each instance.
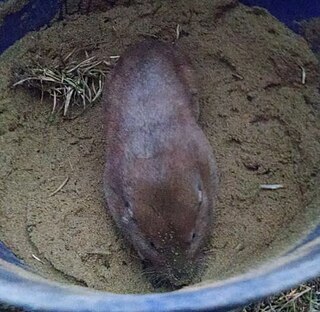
(71, 84)
(305, 298)
(271, 186)
(60, 187)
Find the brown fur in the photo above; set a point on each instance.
(160, 174)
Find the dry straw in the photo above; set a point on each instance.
(70, 84)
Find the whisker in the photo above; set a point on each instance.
(148, 274)
(151, 271)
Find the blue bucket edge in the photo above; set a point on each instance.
(303, 264)
(20, 291)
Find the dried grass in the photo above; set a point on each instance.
(70, 84)
(305, 298)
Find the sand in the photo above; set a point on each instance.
(262, 122)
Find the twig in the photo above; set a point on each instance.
(237, 76)
(303, 75)
(271, 186)
(295, 298)
(35, 257)
(60, 187)
(178, 30)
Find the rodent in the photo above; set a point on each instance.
(160, 178)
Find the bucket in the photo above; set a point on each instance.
(22, 287)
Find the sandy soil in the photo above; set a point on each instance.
(262, 122)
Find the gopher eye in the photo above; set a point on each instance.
(152, 245)
(192, 237)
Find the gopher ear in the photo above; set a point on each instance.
(128, 208)
(200, 196)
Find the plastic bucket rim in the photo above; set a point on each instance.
(304, 264)
(15, 291)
